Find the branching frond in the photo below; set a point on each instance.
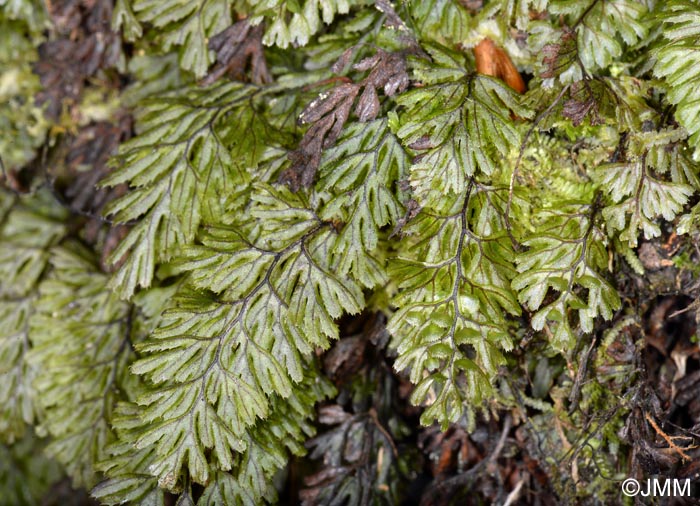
(182, 24)
(566, 254)
(601, 26)
(264, 450)
(189, 154)
(80, 334)
(457, 124)
(218, 357)
(442, 21)
(638, 190)
(454, 274)
(294, 22)
(430, 183)
(28, 228)
(362, 172)
(678, 63)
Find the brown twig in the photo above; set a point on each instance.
(575, 395)
(669, 439)
(375, 419)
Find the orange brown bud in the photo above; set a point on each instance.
(491, 60)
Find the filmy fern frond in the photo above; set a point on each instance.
(602, 26)
(451, 17)
(566, 253)
(217, 358)
(362, 172)
(80, 334)
(291, 171)
(188, 155)
(294, 22)
(29, 227)
(248, 481)
(458, 124)
(127, 467)
(517, 12)
(185, 25)
(642, 197)
(454, 280)
(678, 61)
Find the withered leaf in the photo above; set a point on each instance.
(85, 45)
(412, 209)
(328, 115)
(322, 477)
(368, 105)
(422, 143)
(85, 16)
(559, 56)
(86, 163)
(388, 71)
(77, 168)
(583, 103)
(238, 49)
(329, 112)
(332, 415)
(369, 62)
(359, 446)
(340, 97)
(577, 110)
(346, 357)
(344, 60)
(356, 442)
(688, 388)
(394, 22)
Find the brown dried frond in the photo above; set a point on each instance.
(238, 49)
(329, 112)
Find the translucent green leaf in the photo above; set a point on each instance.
(458, 126)
(677, 62)
(602, 27)
(640, 198)
(442, 21)
(188, 155)
(80, 336)
(453, 273)
(362, 172)
(185, 24)
(566, 253)
(29, 227)
(218, 358)
(296, 21)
